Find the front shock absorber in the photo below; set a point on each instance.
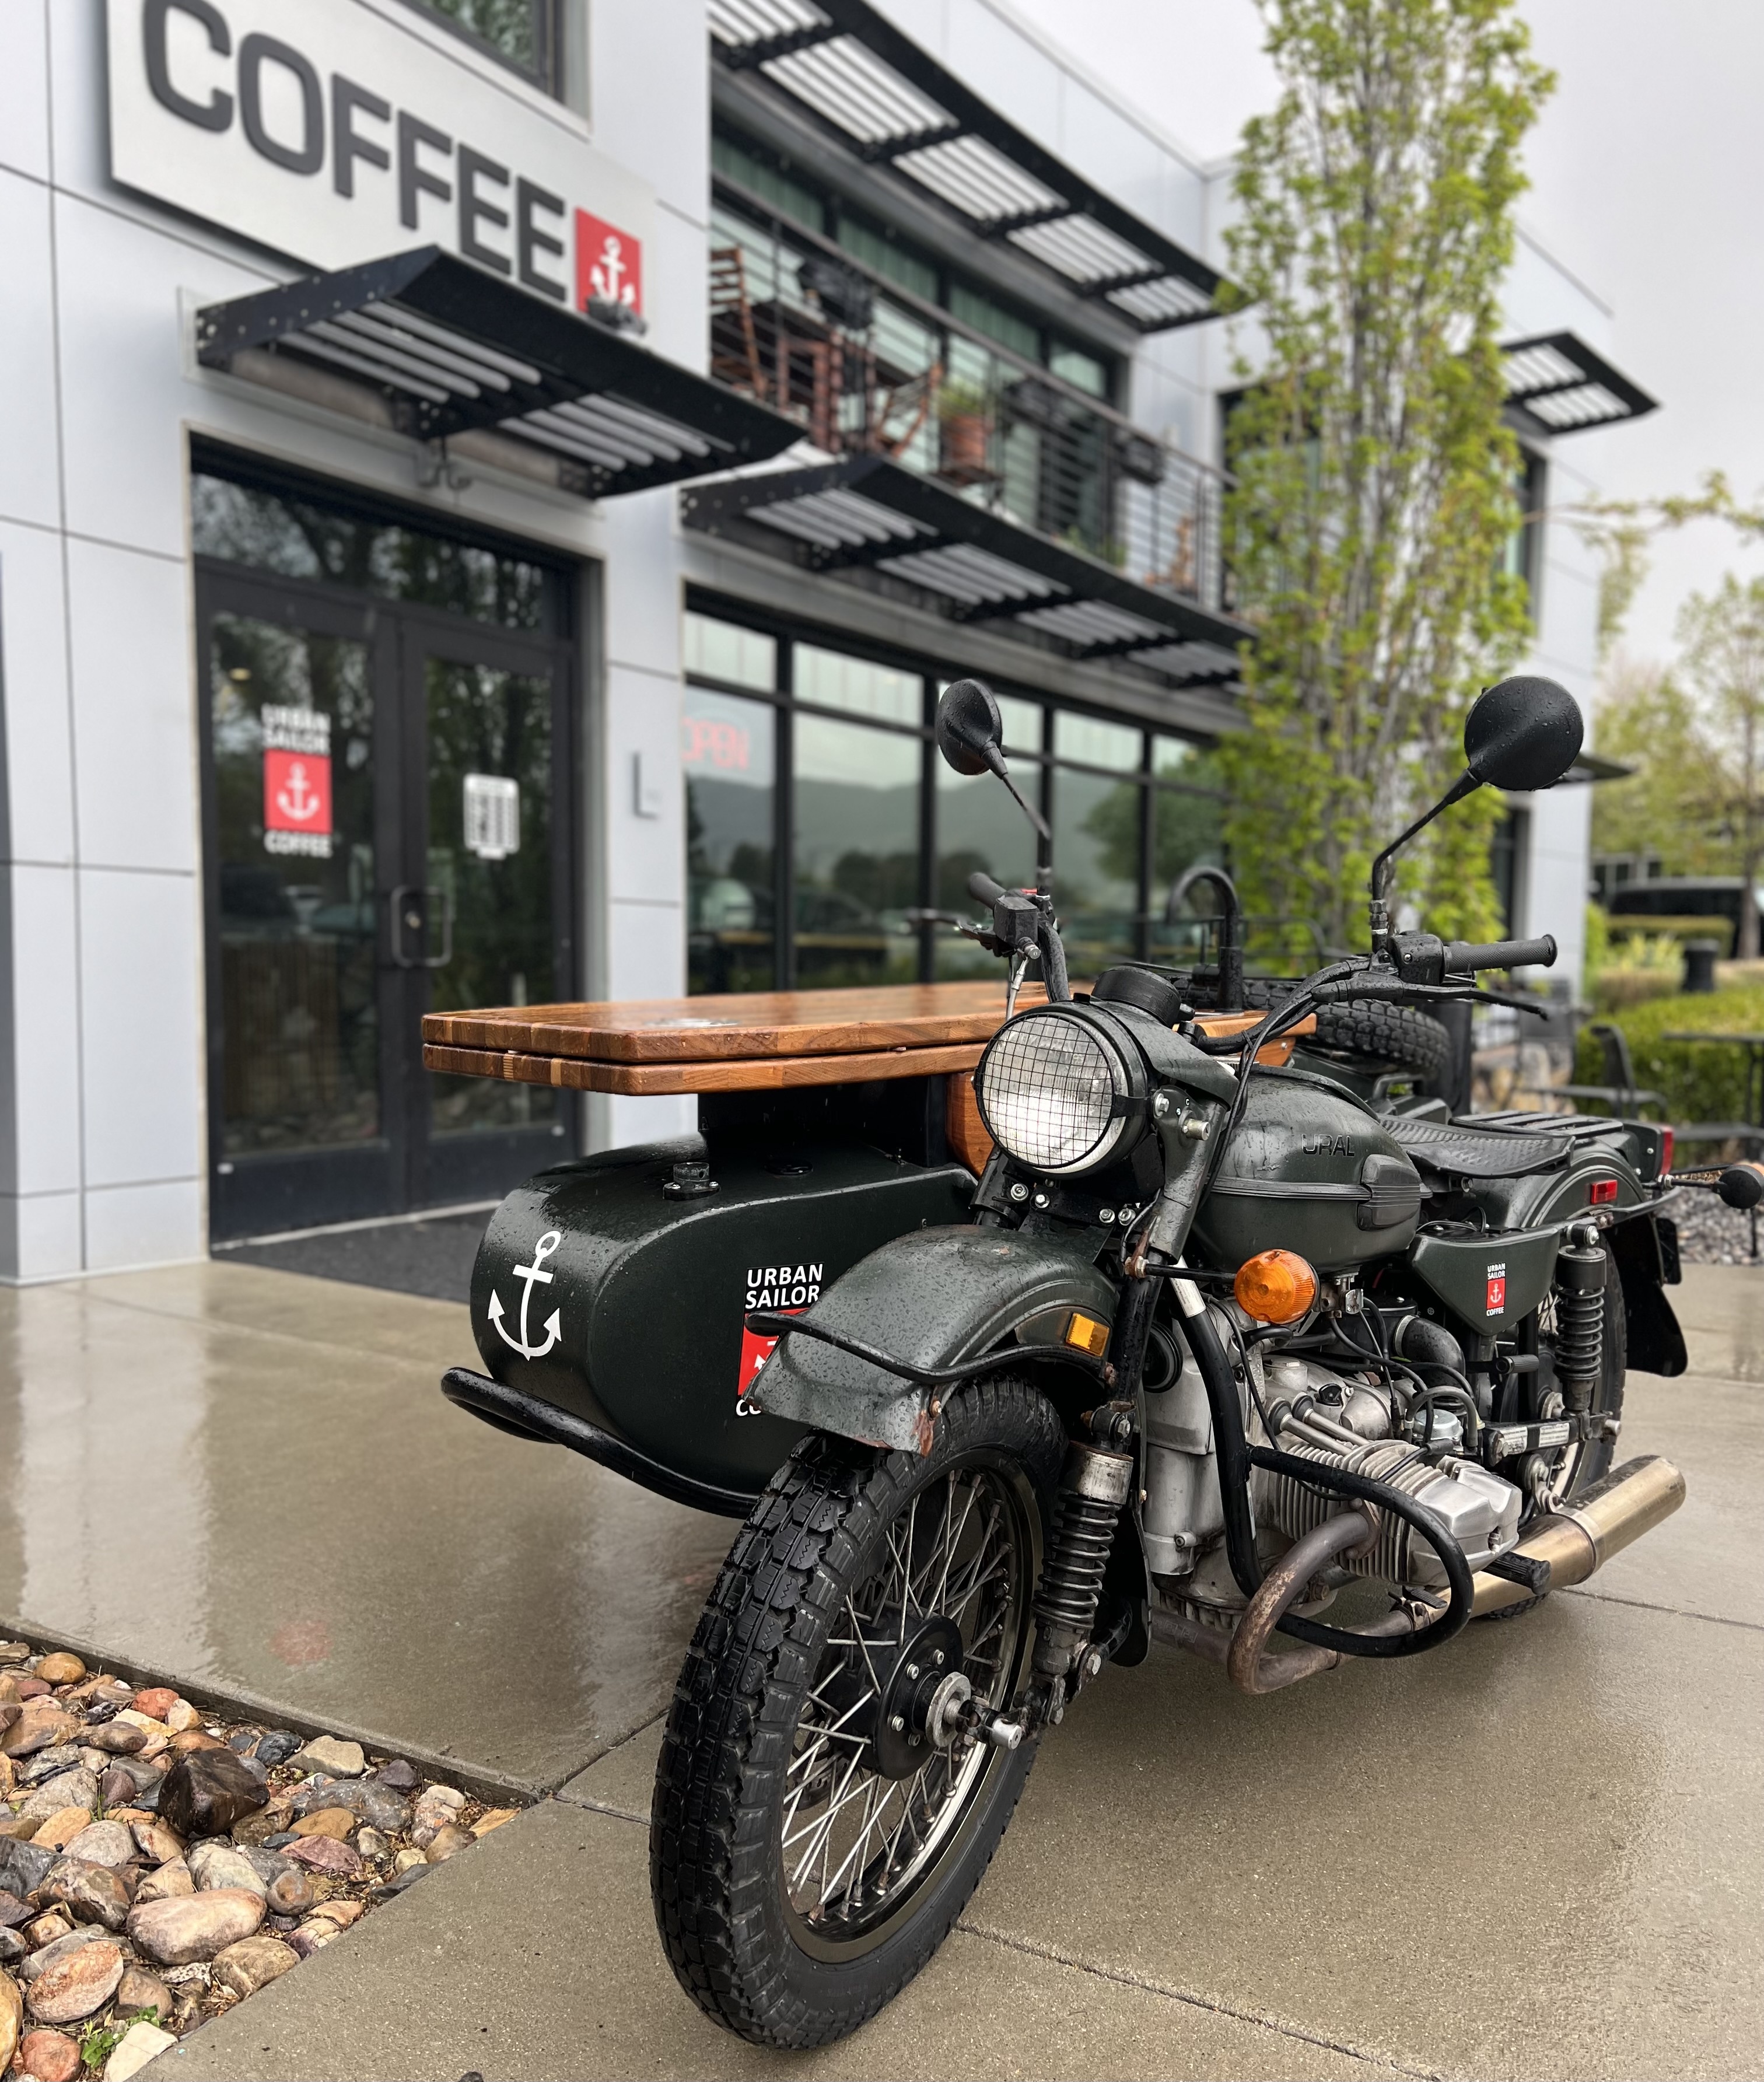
(1580, 1317)
(1093, 1486)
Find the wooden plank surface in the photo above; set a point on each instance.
(738, 1074)
(742, 1026)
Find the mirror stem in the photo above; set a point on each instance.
(1466, 784)
(1044, 852)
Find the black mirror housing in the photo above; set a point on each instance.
(970, 731)
(1523, 734)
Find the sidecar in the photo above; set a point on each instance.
(610, 1293)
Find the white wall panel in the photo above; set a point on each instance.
(140, 961)
(44, 1086)
(24, 88)
(134, 707)
(156, 1224)
(33, 680)
(29, 488)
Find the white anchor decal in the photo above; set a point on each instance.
(297, 798)
(541, 1250)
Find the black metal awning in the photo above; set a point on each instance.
(1558, 383)
(970, 565)
(452, 349)
(888, 101)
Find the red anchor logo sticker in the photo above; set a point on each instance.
(297, 791)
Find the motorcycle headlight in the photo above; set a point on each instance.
(1056, 1091)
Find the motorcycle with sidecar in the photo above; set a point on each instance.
(1022, 1335)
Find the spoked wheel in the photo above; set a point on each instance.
(823, 1810)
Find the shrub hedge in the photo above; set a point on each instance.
(1699, 1081)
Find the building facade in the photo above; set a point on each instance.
(488, 496)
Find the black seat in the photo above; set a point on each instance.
(1455, 1151)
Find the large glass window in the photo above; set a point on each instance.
(820, 819)
(856, 853)
(729, 751)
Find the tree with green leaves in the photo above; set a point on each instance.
(1648, 721)
(1722, 634)
(1375, 480)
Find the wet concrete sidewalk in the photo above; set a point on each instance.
(1537, 1854)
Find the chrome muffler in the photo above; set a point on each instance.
(1583, 1536)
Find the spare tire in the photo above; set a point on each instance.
(1395, 1034)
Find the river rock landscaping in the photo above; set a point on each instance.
(158, 1863)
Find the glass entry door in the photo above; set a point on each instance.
(385, 835)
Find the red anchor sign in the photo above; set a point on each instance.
(297, 791)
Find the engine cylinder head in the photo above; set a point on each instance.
(1480, 1510)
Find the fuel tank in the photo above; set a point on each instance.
(1309, 1170)
(599, 1289)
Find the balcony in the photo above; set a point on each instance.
(867, 368)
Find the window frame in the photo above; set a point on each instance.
(550, 78)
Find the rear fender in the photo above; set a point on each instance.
(930, 1299)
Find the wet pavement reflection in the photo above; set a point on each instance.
(251, 1479)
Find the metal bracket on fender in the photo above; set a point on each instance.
(910, 1322)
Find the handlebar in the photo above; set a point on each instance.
(984, 889)
(1465, 957)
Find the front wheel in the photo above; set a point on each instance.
(815, 1830)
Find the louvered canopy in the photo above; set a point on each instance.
(968, 564)
(888, 100)
(452, 347)
(1559, 383)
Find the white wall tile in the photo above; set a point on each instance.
(134, 708)
(29, 469)
(45, 1086)
(33, 683)
(645, 855)
(1005, 68)
(674, 274)
(650, 78)
(78, 72)
(123, 384)
(157, 1224)
(43, 1240)
(141, 963)
(641, 587)
(629, 1120)
(646, 950)
(24, 87)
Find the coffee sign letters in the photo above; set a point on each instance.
(324, 130)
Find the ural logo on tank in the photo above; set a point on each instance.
(788, 1289)
(1497, 1290)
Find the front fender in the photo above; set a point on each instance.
(930, 1298)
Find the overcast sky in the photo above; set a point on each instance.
(1647, 184)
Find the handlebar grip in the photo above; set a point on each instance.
(1465, 957)
(984, 889)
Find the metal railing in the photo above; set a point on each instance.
(866, 367)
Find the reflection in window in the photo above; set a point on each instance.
(522, 33)
(979, 826)
(302, 538)
(726, 651)
(1186, 832)
(1096, 854)
(728, 756)
(1094, 743)
(833, 681)
(856, 853)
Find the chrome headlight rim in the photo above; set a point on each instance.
(1128, 1102)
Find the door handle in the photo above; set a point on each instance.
(409, 917)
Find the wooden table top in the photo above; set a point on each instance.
(740, 1027)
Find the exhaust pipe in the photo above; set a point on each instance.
(1583, 1536)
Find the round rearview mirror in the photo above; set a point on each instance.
(1523, 734)
(971, 731)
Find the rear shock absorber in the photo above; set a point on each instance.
(1580, 1317)
(1094, 1485)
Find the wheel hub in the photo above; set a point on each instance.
(918, 1692)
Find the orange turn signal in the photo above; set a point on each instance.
(1275, 1287)
(1086, 1334)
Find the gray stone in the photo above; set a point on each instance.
(377, 1805)
(23, 1867)
(276, 1747)
(103, 1843)
(246, 1967)
(138, 1990)
(170, 1882)
(214, 1865)
(400, 1776)
(292, 1893)
(48, 1763)
(67, 1789)
(329, 1753)
(13, 1948)
(120, 1737)
(268, 1865)
(372, 1845)
(13, 1911)
(140, 2043)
